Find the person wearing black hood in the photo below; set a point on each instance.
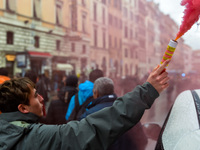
(57, 109)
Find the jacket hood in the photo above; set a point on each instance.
(85, 91)
(87, 85)
(10, 134)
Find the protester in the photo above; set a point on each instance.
(31, 75)
(55, 82)
(103, 94)
(83, 97)
(57, 109)
(3, 75)
(42, 88)
(21, 107)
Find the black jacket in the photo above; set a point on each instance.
(58, 108)
(98, 104)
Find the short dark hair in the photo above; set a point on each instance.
(95, 74)
(3, 71)
(14, 92)
(72, 80)
(31, 75)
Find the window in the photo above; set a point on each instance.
(84, 23)
(116, 42)
(120, 5)
(120, 24)
(110, 41)
(37, 41)
(126, 69)
(125, 12)
(58, 44)
(104, 39)
(11, 5)
(73, 47)
(126, 32)
(104, 1)
(117, 24)
(115, 21)
(126, 52)
(131, 54)
(120, 43)
(115, 3)
(10, 37)
(83, 3)
(103, 15)
(95, 37)
(84, 49)
(95, 11)
(110, 19)
(73, 17)
(131, 15)
(136, 55)
(131, 34)
(58, 15)
(37, 9)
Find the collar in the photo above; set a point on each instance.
(18, 116)
(103, 99)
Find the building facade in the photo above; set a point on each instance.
(32, 34)
(121, 37)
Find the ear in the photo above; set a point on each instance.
(23, 108)
(95, 94)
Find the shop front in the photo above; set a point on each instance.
(10, 61)
(40, 62)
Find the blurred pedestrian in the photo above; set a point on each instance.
(63, 82)
(31, 75)
(55, 82)
(83, 97)
(41, 89)
(3, 75)
(82, 77)
(58, 108)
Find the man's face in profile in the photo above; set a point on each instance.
(35, 103)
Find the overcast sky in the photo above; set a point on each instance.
(175, 10)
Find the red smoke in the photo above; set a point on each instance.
(191, 15)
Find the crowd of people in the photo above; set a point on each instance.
(95, 113)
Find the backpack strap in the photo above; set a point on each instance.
(83, 107)
(75, 110)
(197, 103)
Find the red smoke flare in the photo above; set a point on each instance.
(191, 15)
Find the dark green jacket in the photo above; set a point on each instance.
(96, 132)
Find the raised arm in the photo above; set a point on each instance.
(99, 130)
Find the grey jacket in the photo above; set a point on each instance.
(96, 132)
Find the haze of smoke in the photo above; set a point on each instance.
(191, 15)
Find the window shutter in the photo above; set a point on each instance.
(59, 14)
(37, 4)
(12, 5)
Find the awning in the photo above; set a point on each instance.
(39, 54)
(64, 67)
